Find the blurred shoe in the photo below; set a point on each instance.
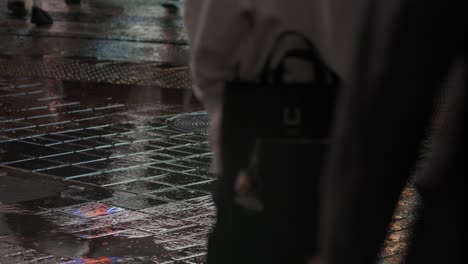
(40, 17)
(17, 9)
(72, 2)
(171, 7)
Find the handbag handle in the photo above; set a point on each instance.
(310, 54)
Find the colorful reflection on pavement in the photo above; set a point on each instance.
(105, 260)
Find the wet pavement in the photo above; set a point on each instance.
(103, 149)
(127, 30)
(101, 171)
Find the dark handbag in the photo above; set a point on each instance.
(276, 131)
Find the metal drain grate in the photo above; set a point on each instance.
(194, 122)
(147, 74)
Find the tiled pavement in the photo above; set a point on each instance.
(130, 175)
(92, 138)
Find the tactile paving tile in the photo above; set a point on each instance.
(147, 74)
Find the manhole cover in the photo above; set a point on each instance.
(193, 122)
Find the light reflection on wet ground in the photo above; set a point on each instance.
(32, 231)
(97, 233)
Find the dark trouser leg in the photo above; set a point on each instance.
(17, 8)
(439, 233)
(72, 2)
(39, 16)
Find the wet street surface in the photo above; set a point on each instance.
(103, 149)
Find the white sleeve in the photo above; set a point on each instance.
(222, 28)
(192, 16)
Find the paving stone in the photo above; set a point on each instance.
(190, 231)
(202, 172)
(179, 179)
(207, 186)
(193, 150)
(22, 256)
(100, 232)
(36, 164)
(138, 172)
(62, 219)
(179, 194)
(401, 224)
(205, 201)
(53, 202)
(397, 259)
(140, 187)
(106, 179)
(175, 154)
(49, 260)
(179, 244)
(190, 252)
(171, 167)
(137, 202)
(74, 158)
(206, 219)
(69, 172)
(193, 260)
(92, 194)
(161, 225)
(132, 233)
(399, 236)
(394, 249)
(194, 164)
(99, 165)
(167, 208)
(123, 218)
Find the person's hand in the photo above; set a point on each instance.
(243, 183)
(315, 260)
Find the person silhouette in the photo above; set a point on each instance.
(407, 53)
(39, 17)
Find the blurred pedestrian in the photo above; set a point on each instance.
(233, 39)
(38, 15)
(408, 50)
(229, 38)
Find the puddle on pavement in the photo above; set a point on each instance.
(14, 189)
(34, 232)
(35, 228)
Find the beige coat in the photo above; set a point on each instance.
(233, 37)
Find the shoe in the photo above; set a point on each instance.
(40, 17)
(171, 8)
(72, 2)
(17, 9)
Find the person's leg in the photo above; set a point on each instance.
(17, 8)
(39, 16)
(439, 236)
